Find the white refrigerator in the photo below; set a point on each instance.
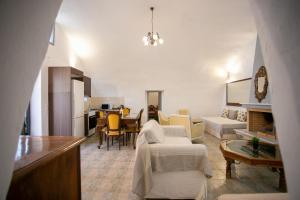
(77, 108)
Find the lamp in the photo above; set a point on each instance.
(152, 38)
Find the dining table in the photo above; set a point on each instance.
(130, 119)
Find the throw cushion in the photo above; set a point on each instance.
(232, 114)
(153, 132)
(242, 116)
(225, 113)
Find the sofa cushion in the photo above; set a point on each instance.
(232, 114)
(153, 132)
(225, 113)
(242, 116)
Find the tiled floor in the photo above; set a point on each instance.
(107, 174)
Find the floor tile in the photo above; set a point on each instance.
(107, 175)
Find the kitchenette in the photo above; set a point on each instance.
(68, 91)
(92, 106)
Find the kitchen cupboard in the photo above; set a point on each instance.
(60, 99)
(87, 86)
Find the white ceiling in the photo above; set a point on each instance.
(200, 36)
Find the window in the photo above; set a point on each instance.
(52, 36)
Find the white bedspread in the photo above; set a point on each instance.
(166, 157)
(218, 126)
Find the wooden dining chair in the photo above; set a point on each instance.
(101, 129)
(134, 129)
(125, 112)
(113, 121)
(101, 114)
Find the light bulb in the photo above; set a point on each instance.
(145, 38)
(155, 36)
(161, 41)
(155, 43)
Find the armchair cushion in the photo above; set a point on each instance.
(174, 131)
(153, 132)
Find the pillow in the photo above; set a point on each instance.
(242, 116)
(225, 113)
(153, 132)
(232, 114)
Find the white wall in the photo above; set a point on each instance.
(185, 82)
(61, 54)
(258, 62)
(200, 39)
(278, 24)
(25, 29)
(36, 118)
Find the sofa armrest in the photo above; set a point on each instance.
(174, 131)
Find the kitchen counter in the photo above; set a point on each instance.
(47, 167)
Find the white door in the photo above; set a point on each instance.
(77, 99)
(78, 126)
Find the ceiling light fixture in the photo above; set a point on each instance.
(152, 38)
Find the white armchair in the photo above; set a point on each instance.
(163, 119)
(195, 130)
(172, 168)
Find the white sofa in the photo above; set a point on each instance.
(172, 168)
(220, 126)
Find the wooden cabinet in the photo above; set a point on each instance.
(60, 99)
(46, 168)
(87, 86)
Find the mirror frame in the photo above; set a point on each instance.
(230, 103)
(262, 72)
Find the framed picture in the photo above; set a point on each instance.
(238, 92)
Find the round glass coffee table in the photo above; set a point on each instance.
(241, 150)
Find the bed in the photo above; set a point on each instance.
(219, 126)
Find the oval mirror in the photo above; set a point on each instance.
(261, 83)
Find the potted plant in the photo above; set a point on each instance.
(255, 144)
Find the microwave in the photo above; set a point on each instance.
(105, 106)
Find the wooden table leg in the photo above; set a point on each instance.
(282, 181)
(228, 167)
(100, 138)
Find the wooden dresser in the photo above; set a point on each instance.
(47, 167)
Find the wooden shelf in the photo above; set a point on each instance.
(47, 167)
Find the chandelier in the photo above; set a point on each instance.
(152, 38)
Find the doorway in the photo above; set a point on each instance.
(154, 103)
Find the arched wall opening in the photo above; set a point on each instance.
(24, 39)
